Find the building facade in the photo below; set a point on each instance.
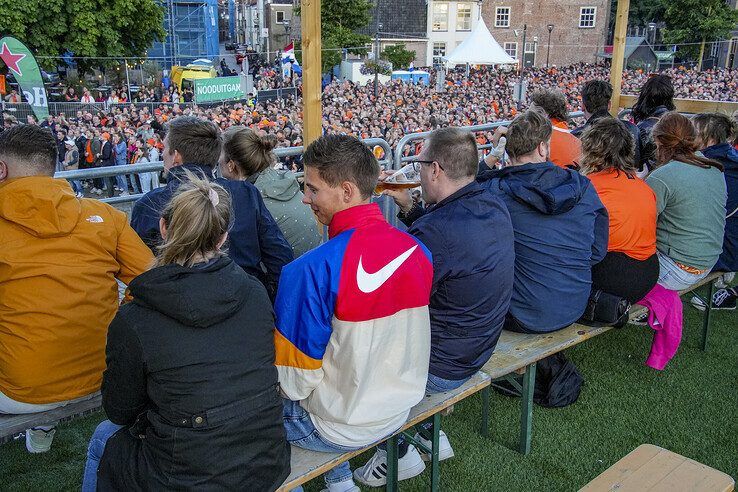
(449, 23)
(192, 32)
(283, 26)
(577, 29)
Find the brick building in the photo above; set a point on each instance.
(578, 29)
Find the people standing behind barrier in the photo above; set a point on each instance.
(190, 383)
(121, 159)
(560, 226)
(565, 149)
(596, 96)
(255, 242)
(631, 268)
(248, 156)
(60, 257)
(468, 231)
(71, 163)
(714, 132)
(655, 99)
(353, 330)
(690, 197)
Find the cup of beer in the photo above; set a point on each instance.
(405, 178)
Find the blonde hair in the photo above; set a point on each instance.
(607, 145)
(251, 152)
(197, 217)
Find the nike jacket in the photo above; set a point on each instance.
(353, 330)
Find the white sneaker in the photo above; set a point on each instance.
(445, 451)
(39, 440)
(374, 473)
(345, 486)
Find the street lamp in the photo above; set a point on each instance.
(652, 31)
(550, 28)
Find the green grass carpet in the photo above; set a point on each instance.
(690, 408)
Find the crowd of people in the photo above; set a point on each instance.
(243, 331)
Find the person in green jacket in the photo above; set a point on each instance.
(248, 156)
(690, 199)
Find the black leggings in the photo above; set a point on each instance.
(623, 276)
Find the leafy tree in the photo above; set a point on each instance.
(87, 28)
(398, 56)
(340, 19)
(641, 12)
(697, 21)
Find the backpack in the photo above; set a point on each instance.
(558, 383)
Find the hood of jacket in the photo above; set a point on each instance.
(725, 153)
(277, 185)
(542, 186)
(199, 296)
(43, 206)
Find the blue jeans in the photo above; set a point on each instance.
(302, 433)
(674, 278)
(94, 453)
(76, 185)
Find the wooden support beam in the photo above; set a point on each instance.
(618, 54)
(311, 74)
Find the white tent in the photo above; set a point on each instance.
(479, 48)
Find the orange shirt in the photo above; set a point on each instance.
(631, 205)
(566, 149)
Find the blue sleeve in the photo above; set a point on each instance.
(432, 240)
(145, 221)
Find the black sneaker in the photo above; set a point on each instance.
(723, 299)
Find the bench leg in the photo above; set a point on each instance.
(526, 417)
(392, 464)
(706, 317)
(485, 393)
(435, 471)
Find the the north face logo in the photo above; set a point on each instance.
(94, 219)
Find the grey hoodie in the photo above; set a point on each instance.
(283, 199)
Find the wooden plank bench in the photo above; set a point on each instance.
(656, 469)
(518, 353)
(307, 465)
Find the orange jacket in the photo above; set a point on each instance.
(59, 258)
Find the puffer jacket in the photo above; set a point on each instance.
(728, 156)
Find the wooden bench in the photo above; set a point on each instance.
(307, 465)
(656, 469)
(518, 353)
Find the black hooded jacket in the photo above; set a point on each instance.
(190, 374)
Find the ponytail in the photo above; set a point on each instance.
(676, 139)
(251, 152)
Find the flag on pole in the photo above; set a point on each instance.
(23, 66)
(289, 62)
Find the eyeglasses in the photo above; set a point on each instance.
(417, 162)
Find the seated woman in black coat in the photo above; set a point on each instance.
(190, 386)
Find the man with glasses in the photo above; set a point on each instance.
(469, 234)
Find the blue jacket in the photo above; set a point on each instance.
(121, 154)
(470, 237)
(253, 240)
(561, 230)
(728, 157)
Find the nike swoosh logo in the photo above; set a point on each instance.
(369, 282)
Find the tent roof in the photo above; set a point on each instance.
(479, 48)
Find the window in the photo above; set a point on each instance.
(440, 16)
(512, 49)
(463, 17)
(439, 50)
(530, 47)
(587, 17)
(502, 16)
(280, 17)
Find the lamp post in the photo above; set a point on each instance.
(522, 70)
(652, 32)
(550, 28)
(376, 62)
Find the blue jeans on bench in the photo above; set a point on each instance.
(302, 433)
(99, 438)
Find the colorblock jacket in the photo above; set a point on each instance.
(353, 329)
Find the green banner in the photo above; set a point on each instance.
(218, 89)
(23, 66)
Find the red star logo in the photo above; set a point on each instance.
(11, 59)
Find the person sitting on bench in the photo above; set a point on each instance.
(560, 226)
(690, 197)
(565, 149)
(60, 256)
(353, 329)
(714, 130)
(190, 384)
(468, 231)
(631, 268)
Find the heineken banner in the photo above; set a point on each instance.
(24, 68)
(222, 89)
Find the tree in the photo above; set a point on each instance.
(641, 12)
(398, 56)
(340, 19)
(697, 21)
(87, 28)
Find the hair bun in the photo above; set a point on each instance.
(268, 142)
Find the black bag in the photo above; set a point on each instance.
(605, 309)
(558, 383)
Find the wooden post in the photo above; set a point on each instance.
(618, 53)
(311, 74)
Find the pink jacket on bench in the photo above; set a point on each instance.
(665, 317)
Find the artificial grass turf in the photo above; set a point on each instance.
(690, 408)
